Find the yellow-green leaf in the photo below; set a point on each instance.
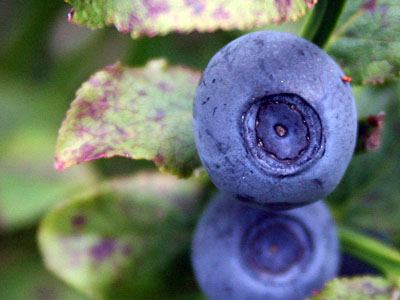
(138, 113)
(358, 288)
(159, 17)
(118, 242)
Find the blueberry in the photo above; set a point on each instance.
(240, 252)
(275, 125)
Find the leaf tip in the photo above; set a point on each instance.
(114, 69)
(59, 165)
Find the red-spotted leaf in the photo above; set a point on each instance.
(139, 113)
(121, 242)
(159, 17)
(358, 288)
(366, 42)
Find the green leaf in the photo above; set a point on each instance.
(358, 288)
(117, 243)
(366, 42)
(159, 17)
(139, 113)
(23, 276)
(367, 198)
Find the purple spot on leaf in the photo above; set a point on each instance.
(283, 8)
(155, 8)
(134, 21)
(120, 130)
(103, 250)
(142, 93)
(104, 153)
(81, 130)
(197, 5)
(370, 5)
(86, 152)
(164, 87)
(93, 110)
(160, 114)
(220, 13)
(95, 82)
(78, 221)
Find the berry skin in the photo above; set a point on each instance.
(275, 125)
(240, 252)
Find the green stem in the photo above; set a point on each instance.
(372, 251)
(322, 21)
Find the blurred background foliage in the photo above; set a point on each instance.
(44, 59)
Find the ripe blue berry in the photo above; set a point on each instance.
(240, 252)
(275, 125)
